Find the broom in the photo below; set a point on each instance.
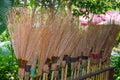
(108, 45)
(42, 55)
(78, 50)
(86, 46)
(72, 45)
(85, 53)
(88, 40)
(31, 66)
(73, 55)
(97, 47)
(91, 34)
(43, 41)
(59, 31)
(103, 48)
(61, 42)
(55, 54)
(51, 31)
(104, 36)
(78, 55)
(60, 48)
(56, 38)
(22, 35)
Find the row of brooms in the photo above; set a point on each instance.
(50, 46)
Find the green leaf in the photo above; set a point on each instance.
(4, 5)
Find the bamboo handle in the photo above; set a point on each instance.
(71, 75)
(21, 73)
(55, 78)
(62, 74)
(88, 68)
(26, 75)
(99, 67)
(66, 71)
(75, 74)
(93, 70)
(52, 76)
(31, 78)
(44, 76)
(40, 78)
(100, 76)
(106, 75)
(78, 69)
(83, 71)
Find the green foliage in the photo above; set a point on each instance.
(4, 36)
(117, 40)
(8, 64)
(93, 6)
(4, 5)
(8, 70)
(115, 61)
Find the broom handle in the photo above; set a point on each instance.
(52, 75)
(104, 76)
(21, 73)
(83, 71)
(62, 74)
(104, 73)
(66, 71)
(78, 69)
(88, 68)
(107, 75)
(26, 75)
(93, 67)
(46, 76)
(99, 76)
(74, 75)
(96, 70)
(31, 78)
(40, 78)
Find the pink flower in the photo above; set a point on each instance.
(111, 15)
(96, 19)
(83, 23)
(103, 17)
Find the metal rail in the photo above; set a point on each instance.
(110, 69)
